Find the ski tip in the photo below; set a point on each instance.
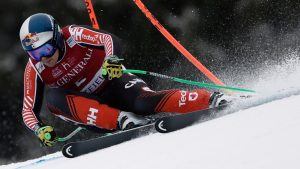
(159, 126)
(67, 151)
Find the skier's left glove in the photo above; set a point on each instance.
(47, 135)
(112, 67)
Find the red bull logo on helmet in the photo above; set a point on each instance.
(30, 39)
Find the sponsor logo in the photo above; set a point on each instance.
(160, 127)
(182, 100)
(91, 117)
(30, 39)
(75, 70)
(76, 33)
(27, 81)
(192, 96)
(56, 72)
(133, 82)
(88, 36)
(66, 66)
(94, 84)
(68, 151)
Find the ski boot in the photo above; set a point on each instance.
(129, 120)
(219, 99)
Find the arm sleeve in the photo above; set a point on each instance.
(93, 38)
(33, 97)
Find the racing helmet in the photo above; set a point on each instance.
(41, 36)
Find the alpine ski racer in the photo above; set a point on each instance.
(81, 69)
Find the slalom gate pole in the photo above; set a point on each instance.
(177, 45)
(63, 139)
(90, 9)
(186, 81)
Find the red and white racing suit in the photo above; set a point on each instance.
(79, 93)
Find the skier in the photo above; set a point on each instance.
(83, 75)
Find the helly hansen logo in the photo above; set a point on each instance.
(87, 36)
(92, 117)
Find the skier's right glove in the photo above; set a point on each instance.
(47, 135)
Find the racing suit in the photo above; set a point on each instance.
(79, 93)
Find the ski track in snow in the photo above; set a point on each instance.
(266, 136)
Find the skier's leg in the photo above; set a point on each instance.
(81, 108)
(132, 94)
(178, 101)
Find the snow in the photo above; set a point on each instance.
(266, 136)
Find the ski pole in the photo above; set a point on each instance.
(63, 139)
(185, 81)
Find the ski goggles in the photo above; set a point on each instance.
(47, 50)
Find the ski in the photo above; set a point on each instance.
(172, 123)
(75, 149)
(164, 124)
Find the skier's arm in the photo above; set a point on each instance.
(93, 38)
(32, 103)
(33, 98)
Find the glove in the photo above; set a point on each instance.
(112, 67)
(47, 135)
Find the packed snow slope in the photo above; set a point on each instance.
(265, 136)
